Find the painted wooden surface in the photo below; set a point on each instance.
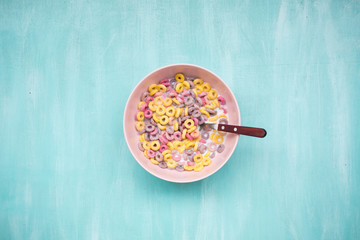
(68, 67)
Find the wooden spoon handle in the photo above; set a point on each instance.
(249, 131)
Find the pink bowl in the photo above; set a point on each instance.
(132, 138)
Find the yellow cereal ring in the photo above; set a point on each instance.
(213, 119)
(206, 161)
(222, 116)
(142, 137)
(215, 103)
(155, 145)
(167, 102)
(170, 111)
(140, 116)
(206, 87)
(186, 111)
(198, 89)
(145, 154)
(170, 145)
(198, 158)
(152, 106)
(218, 139)
(146, 145)
(179, 77)
(164, 119)
(186, 85)
(176, 101)
(212, 136)
(152, 87)
(167, 157)
(162, 127)
(212, 94)
(188, 168)
(198, 81)
(178, 111)
(171, 163)
(196, 145)
(203, 111)
(186, 141)
(182, 149)
(153, 92)
(178, 145)
(140, 104)
(161, 110)
(158, 100)
(154, 161)
(140, 126)
(179, 88)
(183, 134)
(156, 117)
(190, 145)
(198, 167)
(176, 126)
(190, 130)
(209, 106)
(196, 94)
(189, 123)
(166, 152)
(207, 154)
(161, 88)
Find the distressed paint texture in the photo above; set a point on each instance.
(68, 67)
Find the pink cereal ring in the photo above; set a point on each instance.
(212, 147)
(190, 163)
(154, 132)
(180, 99)
(206, 100)
(176, 157)
(189, 136)
(224, 109)
(166, 84)
(172, 94)
(157, 94)
(150, 153)
(202, 141)
(169, 137)
(143, 107)
(148, 113)
(205, 118)
(163, 140)
(203, 94)
(177, 136)
(221, 100)
(195, 134)
(149, 99)
(186, 93)
(163, 148)
(203, 101)
(196, 121)
(165, 80)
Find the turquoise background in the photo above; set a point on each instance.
(68, 67)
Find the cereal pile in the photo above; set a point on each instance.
(170, 119)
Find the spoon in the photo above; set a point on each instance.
(249, 131)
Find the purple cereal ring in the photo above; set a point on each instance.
(202, 148)
(169, 137)
(152, 121)
(212, 147)
(220, 148)
(192, 92)
(179, 168)
(223, 121)
(144, 96)
(177, 136)
(154, 137)
(211, 111)
(163, 148)
(203, 94)
(188, 101)
(188, 151)
(191, 109)
(148, 113)
(162, 165)
(212, 155)
(159, 157)
(196, 113)
(150, 153)
(170, 129)
(149, 127)
(147, 136)
(199, 101)
(140, 146)
(141, 132)
(201, 120)
(221, 100)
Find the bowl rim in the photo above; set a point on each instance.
(200, 177)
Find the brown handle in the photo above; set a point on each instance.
(249, 131)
